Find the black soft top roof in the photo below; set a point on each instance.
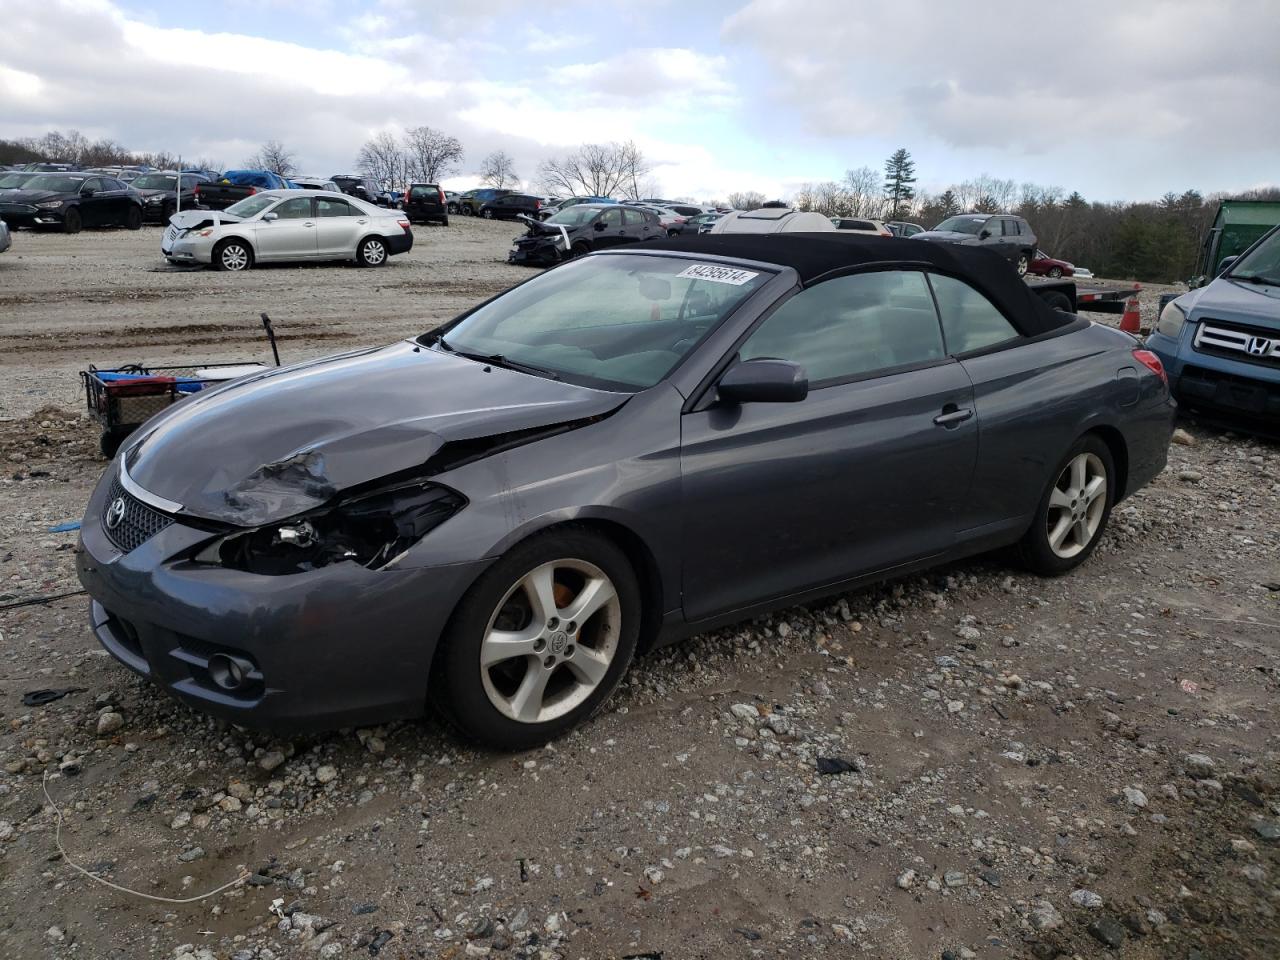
(813, 255)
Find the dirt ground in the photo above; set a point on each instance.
(1086, 766)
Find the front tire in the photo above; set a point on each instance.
(579, 249)
(540, 641)
(1024, 261)
(487, 213)
(232, 256)
(1073, 512)
(372, 252)
(71, 222)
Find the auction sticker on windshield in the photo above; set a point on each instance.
(716, 274)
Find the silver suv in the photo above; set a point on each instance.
(1009, 236)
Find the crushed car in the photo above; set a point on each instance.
(578, 230)
(494, 517)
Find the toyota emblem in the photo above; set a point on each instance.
(115, 513)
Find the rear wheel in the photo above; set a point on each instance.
(540, 641)
(444, 221)
(1073, 511)
(71, 222)
(1058, 300)
(372, 252)
(1055, 272)
(452, 208)
(233, 256)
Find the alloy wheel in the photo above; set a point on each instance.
(234, 257)
(374, 252)
(1023, 263)
(1077, 505)
(551, 640)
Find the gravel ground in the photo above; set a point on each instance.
(975, 762)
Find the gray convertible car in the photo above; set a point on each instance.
(493, 518)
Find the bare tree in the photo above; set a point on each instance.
(753, 199)
(596, 170)
(382, 159)
(863, 188)
(499, 170)
(273, 156)
(431, 154)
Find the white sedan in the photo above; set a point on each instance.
(280, 225)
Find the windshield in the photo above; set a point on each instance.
(1261, 264)
(962, 225)
(10, 181)
(618, 322)
(250, 206)
(54, 183)
(157, 181)
(574, 216)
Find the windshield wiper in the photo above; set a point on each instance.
(1258, 278)
(498, 360)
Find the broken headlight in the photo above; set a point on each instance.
(371, 530)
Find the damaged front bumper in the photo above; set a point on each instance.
(336, 646)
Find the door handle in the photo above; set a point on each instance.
(952, 416)
(362, 221)
(308, 224)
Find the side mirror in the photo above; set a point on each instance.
(599, 224)
(764, 381)
(1225, 263)
(87, 192)
(269, 217)
(984, 234)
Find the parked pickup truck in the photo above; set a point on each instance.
(234, 185)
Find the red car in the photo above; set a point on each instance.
(1046, 266)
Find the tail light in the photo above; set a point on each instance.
(252, 191)
(406, 196)
(537, 204)
(1152, 363)
(404, 225)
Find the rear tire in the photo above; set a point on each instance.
(1058, 301)
(546, 673)
(372, 252)
(444, 221)
(71, 222)
(133, 219)
(232, 256)
(1073, 511)
(1055, 272)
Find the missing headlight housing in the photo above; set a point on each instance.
(371, 530)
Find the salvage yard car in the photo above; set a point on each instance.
(1009, 236)
(282, 225)
(1221, 343)
(493, 518)
(69, 201)
(582, 228)
(159, 192)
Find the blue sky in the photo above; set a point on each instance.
(1117, 101)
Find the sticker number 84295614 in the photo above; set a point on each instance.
(718, 274)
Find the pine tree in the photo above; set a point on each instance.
(899, 175)
(949, 204)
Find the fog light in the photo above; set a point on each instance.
(231, 673)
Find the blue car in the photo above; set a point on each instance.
(1221, 343)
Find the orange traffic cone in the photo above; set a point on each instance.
(1131, 322)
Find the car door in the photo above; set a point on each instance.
(633, 225)
(864, 475)
(1020, 387)
(607, 230)
(291, 235)
(338, 224)
(92, 202)
(116, 202)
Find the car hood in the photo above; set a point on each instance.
(1226, 299)
(946, 236)
(275, 444)
(33, 196)
(189, 219)
(154, 193)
